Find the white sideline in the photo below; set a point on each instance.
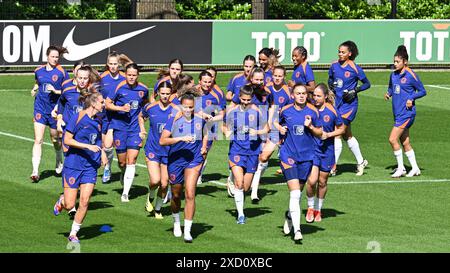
(398, 181)
(48, 144)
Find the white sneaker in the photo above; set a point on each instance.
(298, 235)
(177, 230)
(124, 198)
(187, 237)
(398, 173)
(413, 172)
(230, 187)
(287, 227)
(59, 168)
(360, 168)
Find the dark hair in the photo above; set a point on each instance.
(246, 90)
(181, 81)
(298, 85)
(88, 97)
(326, 92)
(249, 58)
(352, 48)
(281, 68)
(165, 72)
(211, 68)
(132, 66)
(402, 52)
(302, 50)
(61, 50)
(204, 73)
(164, 84)
(122, 59)
(266, 51)
(189, 94)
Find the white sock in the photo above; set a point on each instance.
(75, 228)
(187, 226)
(158, 203)
(176, 217)
(128, 178)
(262, 166)
(36, 157)
(354, 147)
(399, 156)
(239, 200)
(310, 202)
(319, 207)
(337, 148)
(109, 155)
(294, 208)
(412, 159)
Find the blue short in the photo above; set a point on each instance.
(325, 162)
(404, 123)
(176, 166)
(348, 112)
(43, 118)
(124, 140)
(296, 170)
(152, 156)
(72, 178)
(248, 162)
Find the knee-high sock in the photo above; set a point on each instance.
(262, 166)
(294, 208)
(412, 159)
(36, 157)
(354, 147)
(337, 148)
(399, 156)
(110, 155)
(239, 200)
(128, 178)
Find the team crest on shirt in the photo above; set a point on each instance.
(326, 118)
(251, 117)
(208, 102)
(291, 161)
(198, 126)
(141, 94)
(117, 142)
(237, 158)
(92, 138)
(172, 177)
(298, 130)
(38, 116)
(347, 74)
(151, 155)
(281, 100)
(71, 180)
(297, 75)
(403, 80)
(54, 78)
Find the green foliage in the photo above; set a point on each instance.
(60, 9)
(213, 9)
(358, 9)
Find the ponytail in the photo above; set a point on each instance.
(330, 97)
(88, 97)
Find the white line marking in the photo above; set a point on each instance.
(439, 86)
(398, 181)
(49, 144)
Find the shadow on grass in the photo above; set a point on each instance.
(251, 212)
(135, 191)
(89, 232)
(95, 205)
(196, 229)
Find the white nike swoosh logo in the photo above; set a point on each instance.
(78, 52)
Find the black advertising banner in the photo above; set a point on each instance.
(146, 42)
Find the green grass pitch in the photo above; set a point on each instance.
(403, 215)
